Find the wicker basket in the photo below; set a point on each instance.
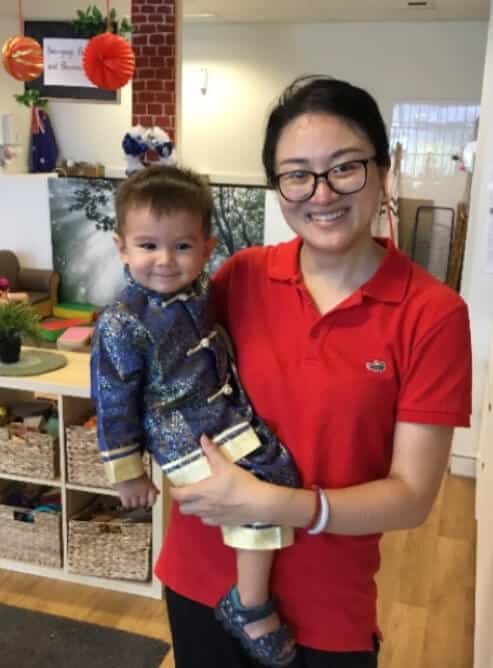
(33, 454)
(118, 549)
(31, 536)
(84, 465)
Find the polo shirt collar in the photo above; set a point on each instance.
(388, 284)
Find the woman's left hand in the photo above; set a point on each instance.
(230, 496)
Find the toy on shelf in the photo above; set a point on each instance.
(85, 169)
(7, 296)
(6, 154)
(85, 313)
(40, 285)
(147, 146)
(53, 328)
(4, 289)
(75, 338)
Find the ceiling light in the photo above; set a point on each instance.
(200, 15)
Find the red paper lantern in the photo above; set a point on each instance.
(22, 58)
(109, 61)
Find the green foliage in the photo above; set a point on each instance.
(32, 98)
(18, 318)
(237, 220)
(91, 22)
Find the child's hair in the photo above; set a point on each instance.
(164, 189)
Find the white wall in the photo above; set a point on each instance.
(248, 66)
(89, 131)
(93, 131)
(477, 284)
(25, 218)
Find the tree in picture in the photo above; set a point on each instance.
(82, 217)
(237, 220)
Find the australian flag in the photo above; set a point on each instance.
(44, 149)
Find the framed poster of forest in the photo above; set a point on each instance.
(63, 75)
(82, 216)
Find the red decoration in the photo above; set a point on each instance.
(22, 58)
(109, 61)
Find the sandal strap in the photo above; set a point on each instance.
(268, 648)
(247, 614)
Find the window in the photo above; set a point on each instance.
(430, 134)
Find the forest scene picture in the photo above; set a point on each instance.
(82, 217)
(237, 220)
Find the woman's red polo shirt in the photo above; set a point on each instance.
(332, 387)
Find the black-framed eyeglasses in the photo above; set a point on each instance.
(346, 178)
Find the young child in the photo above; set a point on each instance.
(161, 377)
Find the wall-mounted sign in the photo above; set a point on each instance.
(63, 75)
(63, 62)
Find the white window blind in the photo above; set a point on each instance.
(430, 134)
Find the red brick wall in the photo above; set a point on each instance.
(154, 96)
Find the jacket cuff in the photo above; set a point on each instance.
(124, 468)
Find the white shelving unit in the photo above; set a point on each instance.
(70, 386)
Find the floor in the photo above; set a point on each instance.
(426, 589)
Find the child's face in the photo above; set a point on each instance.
(164, 253)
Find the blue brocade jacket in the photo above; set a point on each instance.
(161, 375)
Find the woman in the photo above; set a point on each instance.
(360, 362)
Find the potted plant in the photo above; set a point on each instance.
(16, 321)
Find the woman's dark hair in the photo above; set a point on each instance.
(321, 94)
(165, 189)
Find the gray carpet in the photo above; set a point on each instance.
(30, 639)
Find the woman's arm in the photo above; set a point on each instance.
(402, 500)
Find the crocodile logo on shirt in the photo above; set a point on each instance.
(377, 366)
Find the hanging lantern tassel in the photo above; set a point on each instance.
(108, 61)
(22, 58)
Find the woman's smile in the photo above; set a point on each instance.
(327, 217)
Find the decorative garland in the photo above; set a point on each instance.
(32, 98)
(92, 22)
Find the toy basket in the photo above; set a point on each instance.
(30, 535)
(31, 454)
(84, 465)
(111, 548)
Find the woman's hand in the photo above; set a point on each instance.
(230, 496)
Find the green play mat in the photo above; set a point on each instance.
(33, 363)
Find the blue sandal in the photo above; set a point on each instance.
(266, 649)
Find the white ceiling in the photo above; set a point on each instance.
(58, 9)
(311, 11)
(274, 11)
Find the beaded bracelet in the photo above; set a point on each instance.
(322, 513)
